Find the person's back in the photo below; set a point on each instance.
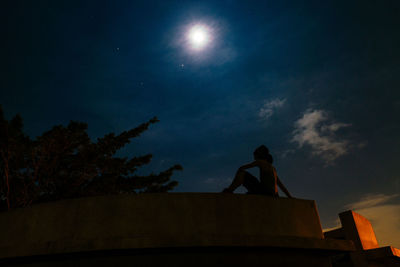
(268, 177)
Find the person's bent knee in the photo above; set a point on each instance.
(241, 171)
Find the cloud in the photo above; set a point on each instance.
(269, 108)
(334, 127)
(383, 215)
(369, 201)
(313, 129)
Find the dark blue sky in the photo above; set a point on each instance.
(317, 82)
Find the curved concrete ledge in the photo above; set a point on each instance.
(163, 221)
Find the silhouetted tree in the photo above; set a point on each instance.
(65, 163)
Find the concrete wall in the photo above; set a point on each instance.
(358, 229)
(159, 220)
(194, 257)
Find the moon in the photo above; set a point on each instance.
(198, 37)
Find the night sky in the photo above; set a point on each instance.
(318, 82)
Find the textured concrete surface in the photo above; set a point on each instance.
(195, 257)
(359, 229)
(175, 220)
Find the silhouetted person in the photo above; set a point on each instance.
(269, 180)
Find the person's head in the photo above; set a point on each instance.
(262, 152)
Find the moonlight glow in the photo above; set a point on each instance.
(198, 37)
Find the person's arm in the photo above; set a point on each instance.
(283, 188)
(248, 166)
